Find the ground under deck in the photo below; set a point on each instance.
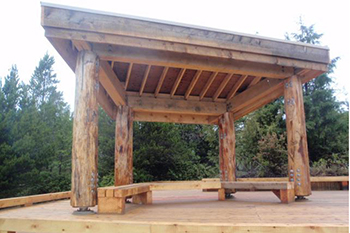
(192, 211)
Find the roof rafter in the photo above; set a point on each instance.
(207, 85)
(222, 86)
(235, 88)
(144, 80)
(192, 84)
(177, 82)
(161, 80)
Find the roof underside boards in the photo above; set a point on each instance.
(179, 73)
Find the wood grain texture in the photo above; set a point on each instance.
(298, 156)
(123, 172)
(85, 131)
(227, 150)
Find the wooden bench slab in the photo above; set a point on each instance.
(275, 185)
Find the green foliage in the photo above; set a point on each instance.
(35, 125)
(334, 165)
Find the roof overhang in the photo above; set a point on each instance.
(179, 73)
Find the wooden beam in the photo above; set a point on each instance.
(144, 80)
(222, 86)
(177, 82)
(272, 185)
(178, 97)
(85, 132)
(192, 84)
(254, 94)
(207, 85)
(267, 97)
(176, 60)
(254, 81)
(236, 87)
(172, 118)
(178, 34)
(64, 48)
(18, 201)
(128, 76)
(181, 48)
(123, 170)
(81, 45)
(161, 80)
(298, 156)
(227, 150)
(111, 84)
(106, 102)
(162, 105)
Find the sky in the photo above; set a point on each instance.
(23, 42)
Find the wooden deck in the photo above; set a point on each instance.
(192, 211)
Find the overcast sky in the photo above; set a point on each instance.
(23, 42)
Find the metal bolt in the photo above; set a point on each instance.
(298, 174)
(298, 179)
(298, 170)
(291, 175)
(292, 179)
(299, 184)
(291, 171)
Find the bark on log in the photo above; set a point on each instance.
(85, 131)
(123, 173)
(298, 156)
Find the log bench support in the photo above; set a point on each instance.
(283, 190)
(298, 156)
(111, 200)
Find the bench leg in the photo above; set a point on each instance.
(344, 185)
(143, 198)
(221, 194)
(285, 195)
(111, 205)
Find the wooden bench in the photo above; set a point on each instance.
(282, 189)
(112, 199)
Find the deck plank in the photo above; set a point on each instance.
(191, 211)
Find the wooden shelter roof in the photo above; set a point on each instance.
(172, 72)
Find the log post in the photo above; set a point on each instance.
(123, 173)
(227, 150)
(298, 157)
(85, 132)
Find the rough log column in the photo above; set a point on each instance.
(123, 173)
(227, 150)
(85, 132)
(298, 157)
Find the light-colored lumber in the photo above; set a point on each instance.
(192, 84)
(85, 132)
(221, 194)
(106, 102)
(57, 17)
(123, 168)
(254, 81)
(285, 195)
(111, 205)
(275, 185)
(144, 80)
(128, 75)
(227, 150)
(18, 201)
(254, 94)
(181, 48)
(176, 60)
(64, 48)
(207, 85)
(176, 185)
(266, 97)
(222, 86)
(177, 106)
(111, 84)
(130, 191)
(172, 117)
(161, 80)
(177, 82)
(298, 157)
(235, 88)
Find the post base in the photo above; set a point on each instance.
(83, 211)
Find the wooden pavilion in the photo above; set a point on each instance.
(141, 69)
